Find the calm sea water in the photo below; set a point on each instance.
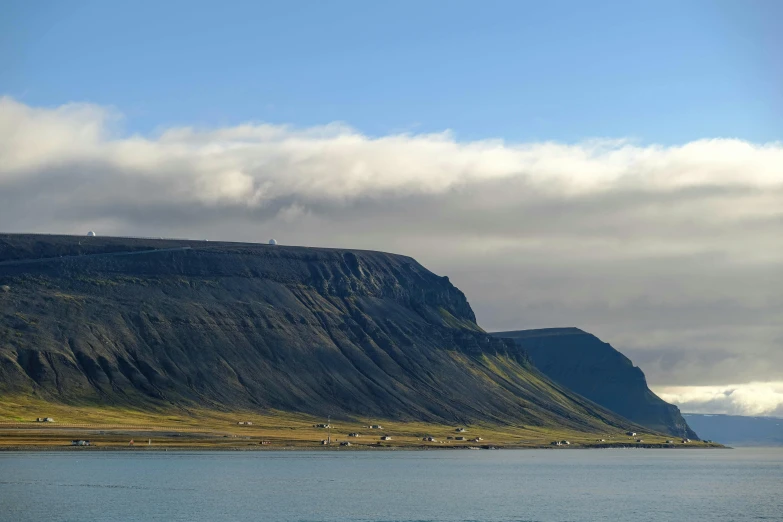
(506, 485)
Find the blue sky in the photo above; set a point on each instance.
(657, 72)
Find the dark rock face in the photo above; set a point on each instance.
(153, 323)
(592, 368)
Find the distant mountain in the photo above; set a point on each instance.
(592, 368)
(152, 323)
(736, 430)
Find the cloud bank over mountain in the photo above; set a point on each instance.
(755, 398)
(671, 253)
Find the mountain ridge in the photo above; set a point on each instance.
(234, 325)
(596, 370)
(738, 430)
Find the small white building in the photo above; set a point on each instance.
(386, 437)
(460, 430)
(376, 427)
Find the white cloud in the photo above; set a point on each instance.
(33, 137)
(250, 163)
(754, 398)
(672, 253)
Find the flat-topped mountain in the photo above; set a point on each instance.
(151, 323)
(594, 369)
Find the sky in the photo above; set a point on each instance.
(616, 166)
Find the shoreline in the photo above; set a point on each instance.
(109, 428)
(259, 448)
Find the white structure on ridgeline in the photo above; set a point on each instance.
(90, 234)
(273, 242)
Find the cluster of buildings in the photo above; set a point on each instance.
(345, 443)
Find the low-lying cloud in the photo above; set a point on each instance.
(755, 398)
(671, 253)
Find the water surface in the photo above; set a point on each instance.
(506, 485)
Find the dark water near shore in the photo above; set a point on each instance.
(527, 485)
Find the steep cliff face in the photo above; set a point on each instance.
(594, 369)
(226, 325)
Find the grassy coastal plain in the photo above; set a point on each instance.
(193, 429)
